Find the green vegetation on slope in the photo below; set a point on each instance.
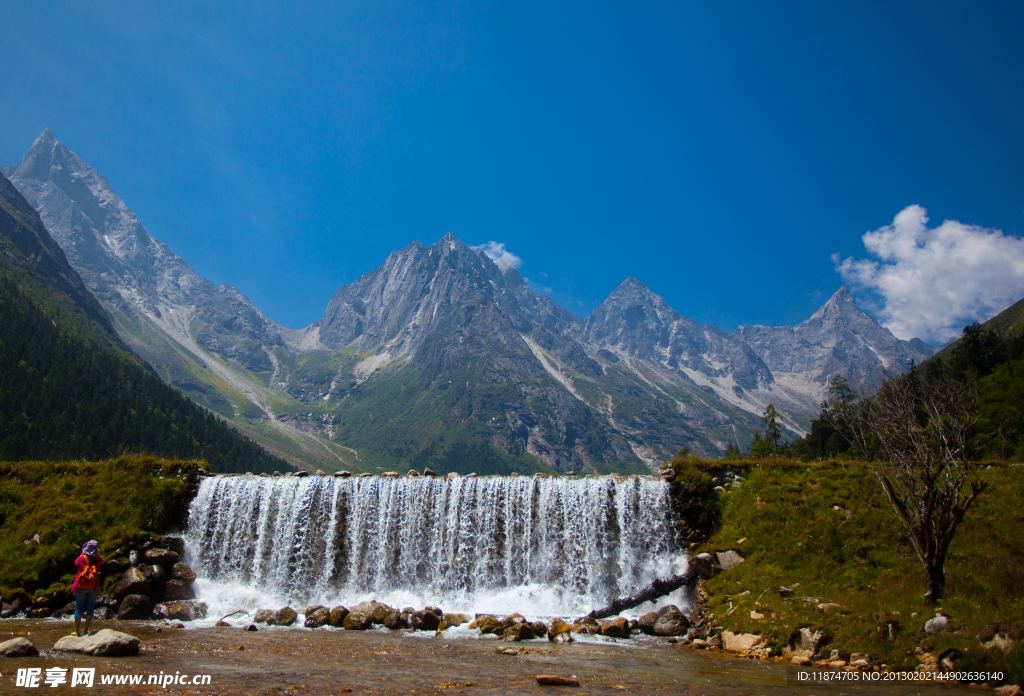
(399, 421)
(68, 503)
(991, 362)
(64, 395)
(69, 389)
(827, 529)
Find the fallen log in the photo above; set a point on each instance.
(658, 588)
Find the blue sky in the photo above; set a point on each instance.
(722, 153)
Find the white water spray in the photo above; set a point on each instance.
(550, 546)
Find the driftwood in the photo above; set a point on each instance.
(658, 588)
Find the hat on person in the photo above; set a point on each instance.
(91, 547)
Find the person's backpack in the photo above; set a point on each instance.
(89, 572)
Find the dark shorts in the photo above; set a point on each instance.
(85, 602)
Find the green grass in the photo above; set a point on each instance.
(860, 558)
(69, 503)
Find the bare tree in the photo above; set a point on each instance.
(920, 431)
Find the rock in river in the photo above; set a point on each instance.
(357, 621)
(284, 617)
(135, 607)
(338, 615)
(672, 622)
(615, 628)
(18, 647)
(132, 582)
(104, 643)
(647, 621)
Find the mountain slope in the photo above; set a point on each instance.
(449, 364)
(838, 339)
(209, 342)
(69, 389)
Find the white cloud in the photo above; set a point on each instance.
(500, 255)
(934, 281)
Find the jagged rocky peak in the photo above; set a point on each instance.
(416, 289)
(131, 273)
(633, 316)
(838, 339)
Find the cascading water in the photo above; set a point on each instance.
(552, 546)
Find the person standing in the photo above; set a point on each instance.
(87, 584)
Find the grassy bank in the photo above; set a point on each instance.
(49, 509)
(828, 528)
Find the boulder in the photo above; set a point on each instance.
(66, 611)
(486, 624)
(114, 566)
(936, 624)
(509, 621)
(1009, 690)
(18, 647)
(396, 621)
(102, 613)
(786, 592)
(729, 559)
(317, 616)
(518, 632)
(557, 627)
(263, 615)
(284, 617)
(375, 610)
(540, 628)
(165, 558)
(646, 623)
(135, 607)
(103, 643)
(804, 642)
(671, 623)
(187, 610)
(178, 589)
(456, 619)
(714, 641)
(739, 642)
(615, 628)
(54, 600)
(357, 621)
(826, 607)
(175, 544)
(588, 627)
(157, 576)
(182, 571)
(15, 604)
(338, 615)
(39, 613)
(425, 620)
(800, 661)
(860, 659)
(1002, 641)
(132, 582)
(702, 565)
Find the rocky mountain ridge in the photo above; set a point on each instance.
(441, 357)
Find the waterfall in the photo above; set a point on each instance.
(554, 546)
